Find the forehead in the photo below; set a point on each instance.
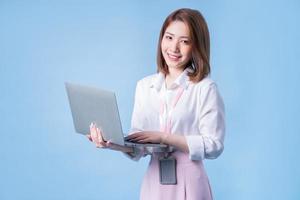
(178, 28)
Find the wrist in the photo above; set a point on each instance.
(128, 150)
(164, 138)
(132, 152)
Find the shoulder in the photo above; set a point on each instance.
(144, 85)
(205, 84)
(206, 88)
(208, 93)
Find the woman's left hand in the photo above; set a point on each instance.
(146, 137)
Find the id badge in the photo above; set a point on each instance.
(167, 171)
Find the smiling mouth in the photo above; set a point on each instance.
(173, 57)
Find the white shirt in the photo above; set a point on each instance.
(198, 115)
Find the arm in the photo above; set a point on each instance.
(209, 142)
(177, 141)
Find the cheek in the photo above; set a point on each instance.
(188, 49)
(187, 52)
(163, 46)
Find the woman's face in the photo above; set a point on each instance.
(176, 45)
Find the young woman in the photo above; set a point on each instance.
(180, 106)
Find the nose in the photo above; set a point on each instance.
(174, 46)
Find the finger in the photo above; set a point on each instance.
(129, 137)
(89, 137)
(94, 134)
(140, 137)
(102, 144)
(139, 140)
(147, 140)
(143, 141)
(99, 135)
(134, 135)
(91, 126)
(109, 144)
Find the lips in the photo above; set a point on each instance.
(173, 57)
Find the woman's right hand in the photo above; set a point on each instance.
(95, 136)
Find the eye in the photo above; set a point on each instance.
(168, 37)
(187, 42)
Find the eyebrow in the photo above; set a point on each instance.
(179, 37)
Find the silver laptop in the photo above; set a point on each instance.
(89, 104)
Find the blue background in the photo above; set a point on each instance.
(112, 44)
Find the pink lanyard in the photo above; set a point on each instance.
(164, 117)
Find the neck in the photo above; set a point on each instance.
(174, 73)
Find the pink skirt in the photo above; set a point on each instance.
(192, 181)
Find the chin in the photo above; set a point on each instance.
(175, 66)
